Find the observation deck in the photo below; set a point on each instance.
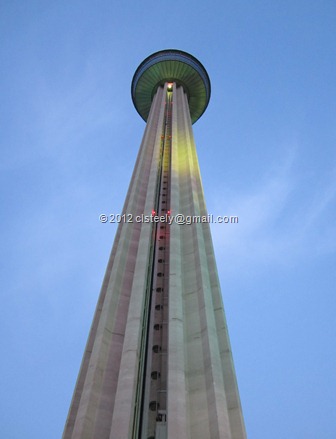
(171, 66)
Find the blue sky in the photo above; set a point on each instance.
(266, 145)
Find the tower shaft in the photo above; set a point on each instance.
(158, 363)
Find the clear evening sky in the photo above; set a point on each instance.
(266, 145)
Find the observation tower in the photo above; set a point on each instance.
(158, 363)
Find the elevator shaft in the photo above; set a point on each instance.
(154, 399)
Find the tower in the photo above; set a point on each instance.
(158, 363)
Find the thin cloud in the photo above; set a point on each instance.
(281, 221)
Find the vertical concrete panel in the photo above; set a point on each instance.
(91, 410)
(177, 406)
(214, 389)
(123, 414)
(210, 386)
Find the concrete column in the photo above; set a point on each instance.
(203, 400)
